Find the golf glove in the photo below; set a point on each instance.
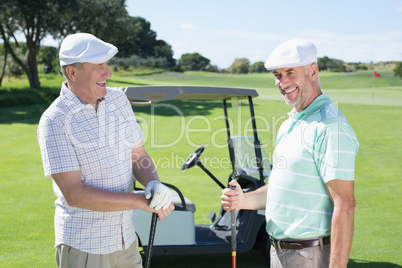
(160, 194)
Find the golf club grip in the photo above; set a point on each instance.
(233, 229)
(233, 233)
(233, 225)
(154, 221)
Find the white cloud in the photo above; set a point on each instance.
(398, 9)
(251, 35)
(364, 47)
(187, 26)
(358, 47)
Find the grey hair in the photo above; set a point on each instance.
(63, 71)
(307, 68)
(63, 68)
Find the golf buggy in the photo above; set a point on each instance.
(177, 234)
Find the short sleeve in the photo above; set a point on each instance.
(58, 154)
(135, 128)
(335, 152)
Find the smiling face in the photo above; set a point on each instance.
(299, 85)
(88, 81)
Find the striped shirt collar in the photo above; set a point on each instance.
(314, 107)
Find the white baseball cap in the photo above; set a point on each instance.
(292, 53)
(85, 47)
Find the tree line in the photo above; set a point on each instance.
(109, 20)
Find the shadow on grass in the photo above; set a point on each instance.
(174, 108)
(252, 259)
(125, 83)
(27, 96)
(367, 264)
(22, 114)
(30, 114)
(180, 108)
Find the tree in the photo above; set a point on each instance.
(145, 38)
(13, 68)
(137, 38)
(239, 66)
(257, 67)
(46, 56)
(322, 63)
(329, 64)
(164, 50)
(105, 19)
(212, 68)
(4, 63)
(35, 20)
(193, 62)
(398, 69)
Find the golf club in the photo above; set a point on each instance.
(233, 233)
(154, 220)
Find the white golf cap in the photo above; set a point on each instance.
(292, 53)
(84, 47)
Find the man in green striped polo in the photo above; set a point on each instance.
(309, 199)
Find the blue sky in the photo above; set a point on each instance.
(222, 30)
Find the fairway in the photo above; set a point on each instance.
(172, 132)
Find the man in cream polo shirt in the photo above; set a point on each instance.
(309, 199)
(92, 147)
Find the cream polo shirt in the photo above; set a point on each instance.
(313, 147)
(73, 136)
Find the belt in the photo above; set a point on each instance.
(300, 244)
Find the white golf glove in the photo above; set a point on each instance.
(160, 195)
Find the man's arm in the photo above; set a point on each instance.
(79, 195)
(236, 199)
(144, 169)
(342, 194)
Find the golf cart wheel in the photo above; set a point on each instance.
(265, 244)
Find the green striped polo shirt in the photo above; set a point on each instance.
(313, 147)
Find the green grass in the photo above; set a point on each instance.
(26, 202)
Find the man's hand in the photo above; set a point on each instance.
(162, 213)
(232, 199)
(160, 194)
(236, 199)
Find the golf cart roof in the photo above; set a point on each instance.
(163, 93)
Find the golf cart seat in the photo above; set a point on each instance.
(246, 161)
(179, 201)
